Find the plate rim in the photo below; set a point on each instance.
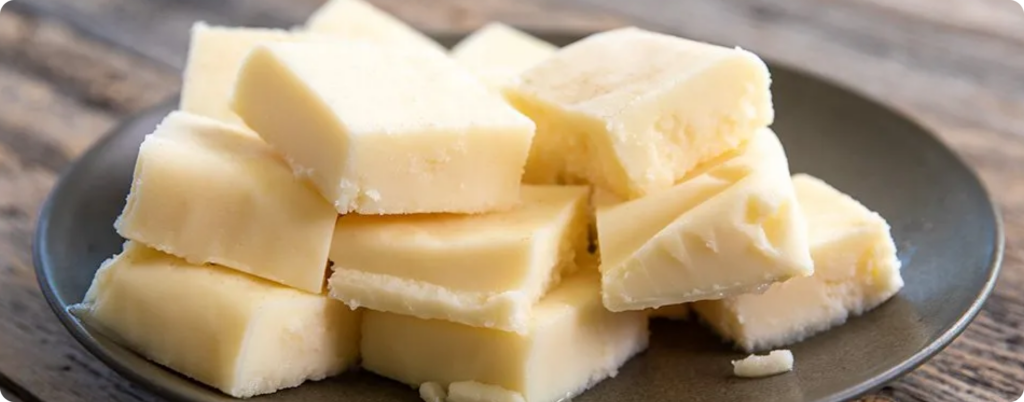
(85, 338)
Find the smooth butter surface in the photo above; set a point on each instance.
(208, 192)
(634, 111)
(359, 20)
(214, 57)
(856, 269)
(573, 343)
(383, 131)
(733, 227)
(498, 53)
(237, 333)
(482, 270)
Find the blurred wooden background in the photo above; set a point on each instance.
(71, 69)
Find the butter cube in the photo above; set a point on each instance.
(573, 343)
(383, 131)
(359, 20)
(480, 270)
(733, 227)
(214, 57)
(498, 53)
(210, 193)
(855, 270)
(635, 111)
(234, 332)
(472, 391)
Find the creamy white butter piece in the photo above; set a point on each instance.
(210, 193)
(432, 392)
(776, 362)
(634, 111)
(234, 332)
(855, 270)
(732, 227)
(215, 55)
(384, 131)
(483, 270)
(472, 391)
(359, 20)
(498, 53)
(573, 343)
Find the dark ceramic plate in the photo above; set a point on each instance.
(946, 228)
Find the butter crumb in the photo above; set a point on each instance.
(776, 362)
(432, 392)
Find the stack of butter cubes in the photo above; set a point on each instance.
(497, 222)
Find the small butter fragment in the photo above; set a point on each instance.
(855, 270)
(432, 392)
(634, 111)
(210, 193)
(572, 344)
(776, 362)
(214, 56)
(733, 227)
(234, 332)
(498, 53)
(481, 270)
(382, 131)
(359, 20)
(472, 391)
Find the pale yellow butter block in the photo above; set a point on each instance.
(573, 343)
(753, 366)
(733, 227)
(383, 131)
(498, 53)
(359, 20)
(855, 270)
(209, 193)
(234, 332)
(481, 270)
(214, 57)
(634, 111)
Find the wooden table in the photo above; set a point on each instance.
(71, 69)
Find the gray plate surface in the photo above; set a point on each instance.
(946, 228)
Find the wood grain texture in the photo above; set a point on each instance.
(70, 69)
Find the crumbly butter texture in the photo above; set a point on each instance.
(359, 20)
(483, 270)
(573, 343)
(383, 131)
(234, 332)
(210, 193)
(855, 270)
(753, 366)
(634, 111)
(733, 227)
(498, 53)
(214, 57)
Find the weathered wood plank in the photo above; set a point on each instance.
(86, 70)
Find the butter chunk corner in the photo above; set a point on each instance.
(199, 192)
(498, 53)
(856, 270)
(360, 20)
(385, 131)
(637, 128)
(429, 266)
(733, 227)
(220, 327)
